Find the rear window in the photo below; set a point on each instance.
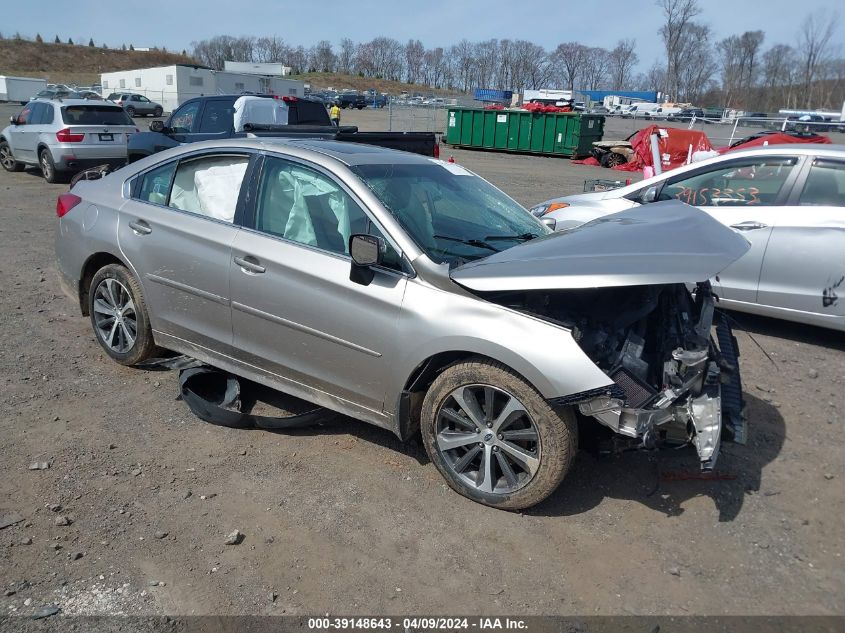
(304, 112)
(95, 115)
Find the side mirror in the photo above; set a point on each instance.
(157, 126)
(549, 222)
(366, 250)
(13, 120)
(650, 194)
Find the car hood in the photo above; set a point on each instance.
(660, 243)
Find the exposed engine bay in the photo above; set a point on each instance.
(673, 382)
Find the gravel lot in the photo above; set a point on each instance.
(131, 514)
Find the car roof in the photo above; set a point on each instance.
(349, 154)
(77, 102)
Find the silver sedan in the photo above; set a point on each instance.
(789, 201)
(411, 293)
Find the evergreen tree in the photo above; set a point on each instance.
(70, 41)
(131, 48)
(57, 40)
(38, 38)
(91, 42)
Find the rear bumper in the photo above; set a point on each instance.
(74, 163)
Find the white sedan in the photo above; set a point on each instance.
(788, 201)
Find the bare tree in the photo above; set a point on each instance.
(569, 58)
(678, 15)
(270, 50)
(814, 46)
(323, 57)
(595, 69)
(699, 67)
(414, 59)
(346, 56)
(621, 61)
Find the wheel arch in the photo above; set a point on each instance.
(420, 379)
(94, 263)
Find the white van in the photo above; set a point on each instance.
(639, 109)
(663, 112)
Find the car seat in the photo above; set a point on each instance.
(325, 223)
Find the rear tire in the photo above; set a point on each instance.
(119, 316)
(130, 111)
(48, 167)
(158, 112)
(7, 159)
(529, 450)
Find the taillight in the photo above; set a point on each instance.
(437, 150)
(66, 136)
(289, 99)
(65, 202)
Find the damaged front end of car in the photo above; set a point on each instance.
(618, 284)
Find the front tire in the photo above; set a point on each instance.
(119, 316)
(7, 159)
(494, 438)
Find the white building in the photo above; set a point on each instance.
(272, 69)
(173, 85)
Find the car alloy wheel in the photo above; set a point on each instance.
(115, 319)
(487, 439)
(6, 159)
(47, 168)
(130, 111)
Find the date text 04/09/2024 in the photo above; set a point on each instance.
(416, 623)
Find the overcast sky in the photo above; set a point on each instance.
(176, 23)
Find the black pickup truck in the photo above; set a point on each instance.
(351, 100)
(209, 118)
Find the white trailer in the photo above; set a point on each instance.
(20, 89)
(171, 86)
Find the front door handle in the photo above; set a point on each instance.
(140, 227)
(249, 265)
(749, 225)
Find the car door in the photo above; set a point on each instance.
(744, 194)
(202, 120)
(144, 104)
(177, 231)
(804, 265)
(20, 136)
(295, 310)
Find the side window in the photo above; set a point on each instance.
(303, 205)
(184, 119)
(209, 186)
(742, 183)
(155, 184)
(825, 185)
(25, 115)
(34, 117)
(217, 116)
(143, 99)
(48, 114)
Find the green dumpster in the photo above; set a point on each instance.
(557, 134)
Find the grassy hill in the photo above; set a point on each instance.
(81, 65)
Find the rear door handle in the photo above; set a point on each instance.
(749, 225)
(140, 227)
(249, 264)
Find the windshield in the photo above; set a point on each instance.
(452, 214)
